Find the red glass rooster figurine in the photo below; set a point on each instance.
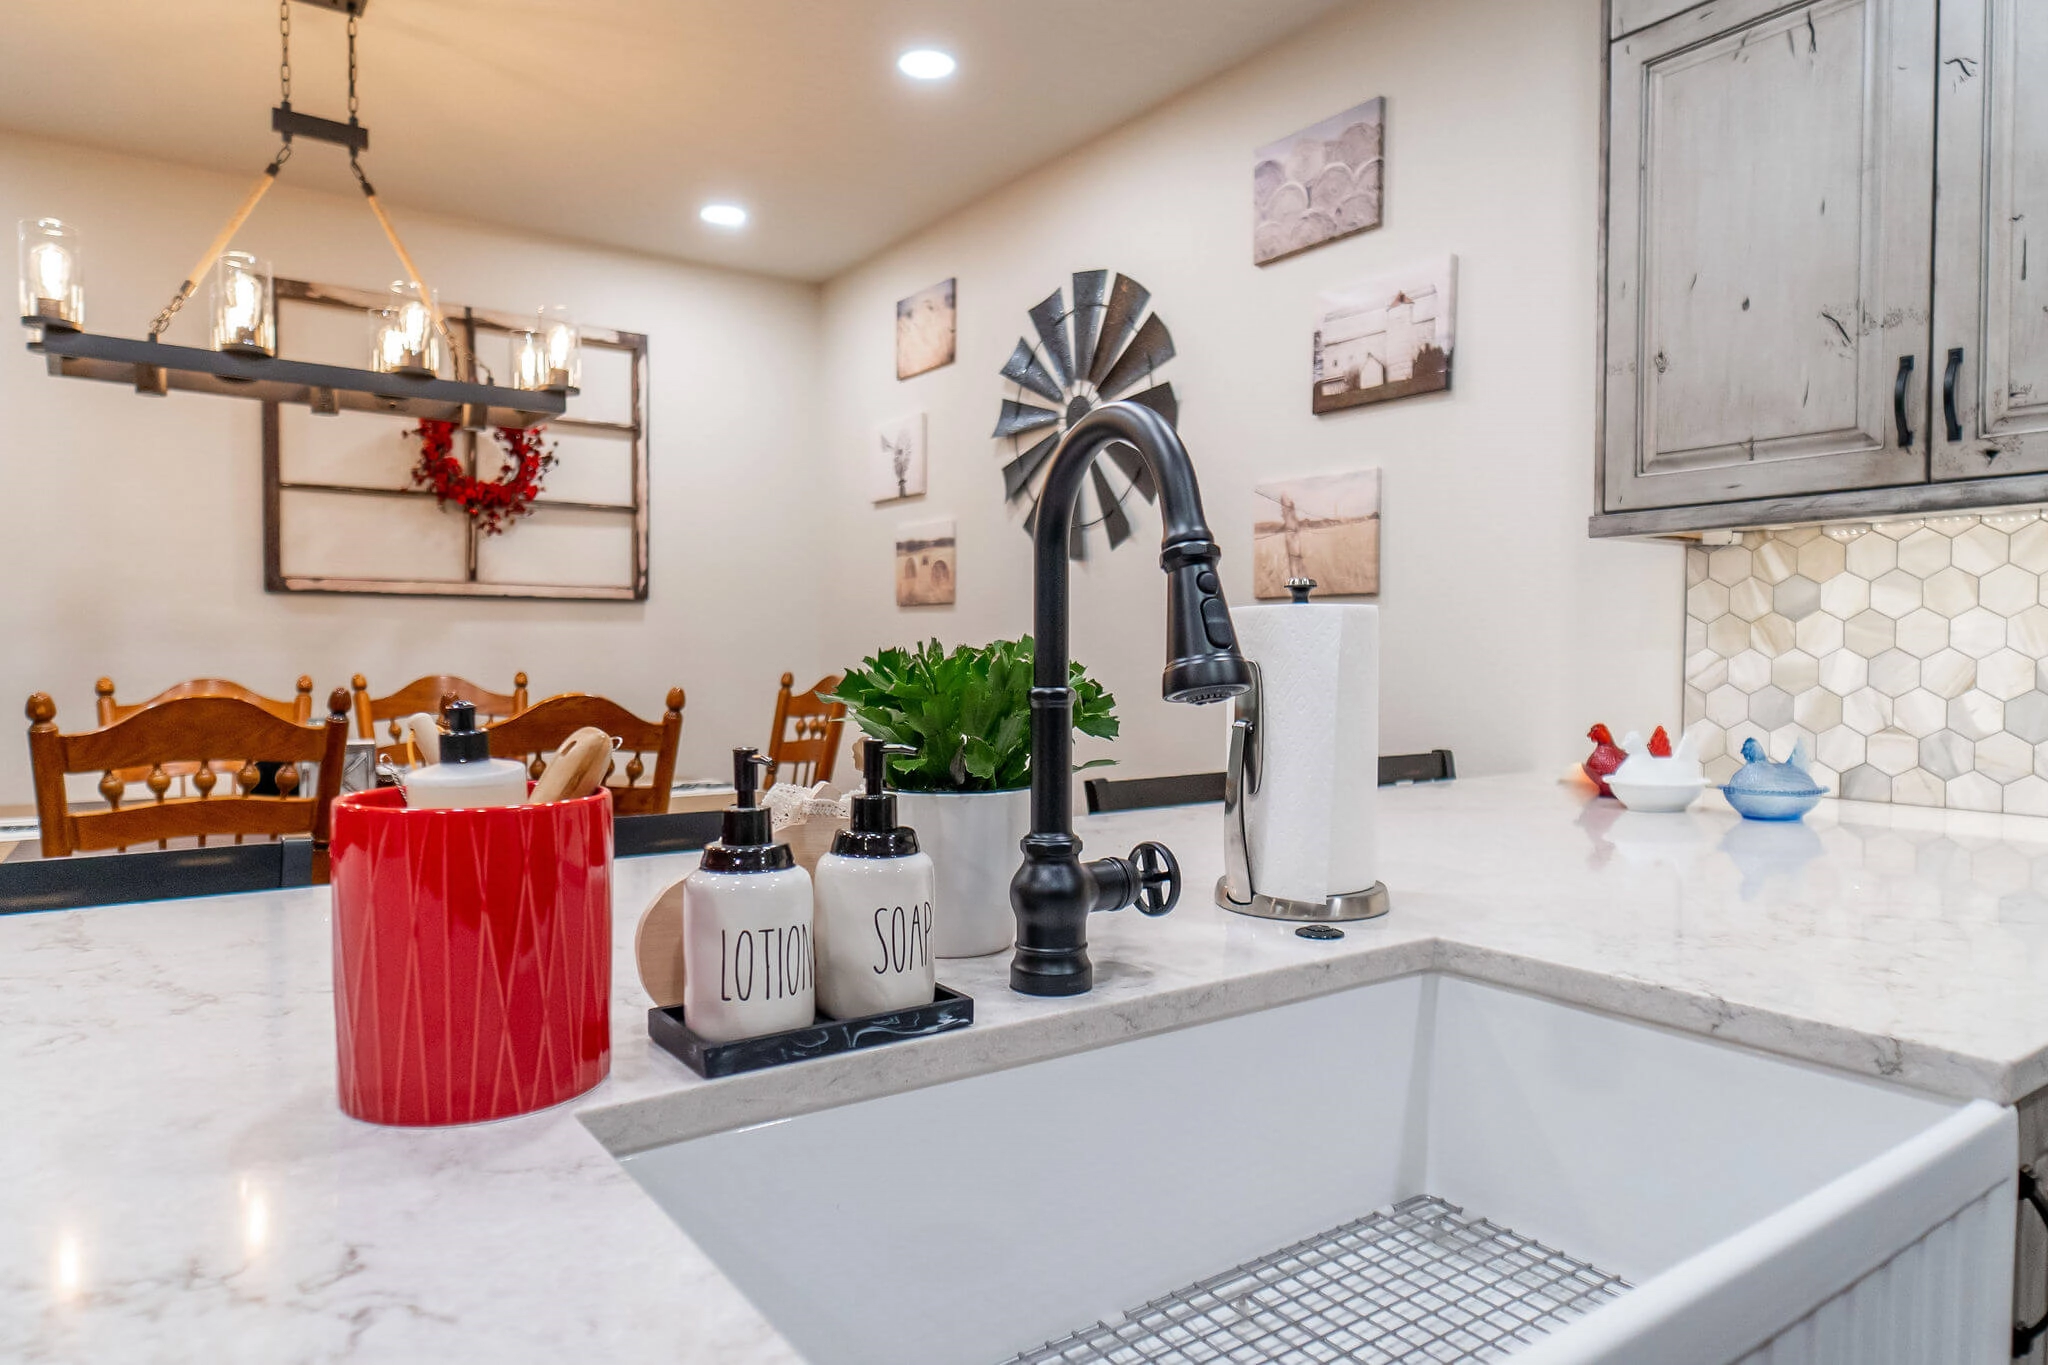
(1605, 758)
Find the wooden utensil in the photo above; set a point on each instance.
(577, 768)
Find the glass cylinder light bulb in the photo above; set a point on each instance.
(564, 348)
(529, 360)
(52, 283)
(404, 339)
(244, 311)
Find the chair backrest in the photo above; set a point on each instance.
(299, 709)
(536, 732)
(805, 740)
(194, 731)
(1140, 793)
(425, 694)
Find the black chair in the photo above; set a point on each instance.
(1141, 793)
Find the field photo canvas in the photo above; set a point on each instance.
(925, 564)
(1319, 184)
(899, 459)
(925, 330)
(1326, 528)
(1386, 337)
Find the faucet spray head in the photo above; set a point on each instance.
(1203, 663)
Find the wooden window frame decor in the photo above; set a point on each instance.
(470, 322)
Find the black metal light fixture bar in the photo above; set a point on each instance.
(154, 367)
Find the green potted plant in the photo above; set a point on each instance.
(967, 789)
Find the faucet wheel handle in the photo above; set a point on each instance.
(1157, 874)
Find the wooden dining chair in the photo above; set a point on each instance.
(425, 694)
(298, 709)
(194, 731)
(806, 734)
(536, 732)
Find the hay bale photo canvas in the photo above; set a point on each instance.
(924, 564)
(1326, 528)
(924, 330)
(1319, 184)
(1386, 337)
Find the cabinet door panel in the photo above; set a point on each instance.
(1991, 262)
(1769, 251)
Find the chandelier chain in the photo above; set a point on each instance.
(351, 62)
(284, 60)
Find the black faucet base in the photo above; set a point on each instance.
(1051, 971)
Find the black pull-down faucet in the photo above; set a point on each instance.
(1054, 891)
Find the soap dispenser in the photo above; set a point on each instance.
(874, 905)
(463, 773)
(747, 965)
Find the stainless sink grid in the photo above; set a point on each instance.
(1419, 1282)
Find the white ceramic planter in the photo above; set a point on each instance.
(973, 840)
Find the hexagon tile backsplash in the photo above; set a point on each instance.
(1911, 656)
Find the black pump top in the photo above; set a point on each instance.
(746, 838)
(875, 833)
(463, 742)
(1300, 588)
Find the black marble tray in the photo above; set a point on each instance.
(949, 1010)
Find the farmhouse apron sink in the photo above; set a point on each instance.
(1535, 1180)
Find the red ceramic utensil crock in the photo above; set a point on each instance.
(472, 956)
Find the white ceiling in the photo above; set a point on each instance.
(611, 121)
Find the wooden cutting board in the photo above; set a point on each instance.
(658, 947)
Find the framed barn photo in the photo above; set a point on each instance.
(1387, 337)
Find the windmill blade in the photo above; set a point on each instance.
(1017, 473)
(1050, 318)
(1113, 519)
(1019, 418)
(1077, 533)
(1134, 467)
(1149, 349)
(1127, 300)
(1091, 288)
(1160, 398)
(1023, 370)
(1031, 520)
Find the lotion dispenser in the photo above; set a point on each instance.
(747, 965)
(874, 905)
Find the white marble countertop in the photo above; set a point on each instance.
(180, 1185)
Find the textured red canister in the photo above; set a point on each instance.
(472, 956)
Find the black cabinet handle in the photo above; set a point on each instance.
(1899, 402)
(2025, 1334)
(1948, 394)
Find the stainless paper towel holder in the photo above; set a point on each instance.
(1238, 889)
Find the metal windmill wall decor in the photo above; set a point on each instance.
(1101, 349)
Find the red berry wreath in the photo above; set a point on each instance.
(493, 504)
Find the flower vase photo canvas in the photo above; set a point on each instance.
(899, 459)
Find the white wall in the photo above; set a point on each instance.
(1505, 630)
(131, 529)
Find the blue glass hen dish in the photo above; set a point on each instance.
(1763, 790)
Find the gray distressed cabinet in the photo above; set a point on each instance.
(1818, 299)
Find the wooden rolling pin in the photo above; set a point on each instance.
(577, 768)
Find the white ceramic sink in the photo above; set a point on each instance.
(1748, 1199)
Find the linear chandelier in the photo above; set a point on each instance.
(410, 338)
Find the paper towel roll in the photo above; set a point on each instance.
(1311, 831)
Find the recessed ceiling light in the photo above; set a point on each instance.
(723, 215)
(926, 64)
